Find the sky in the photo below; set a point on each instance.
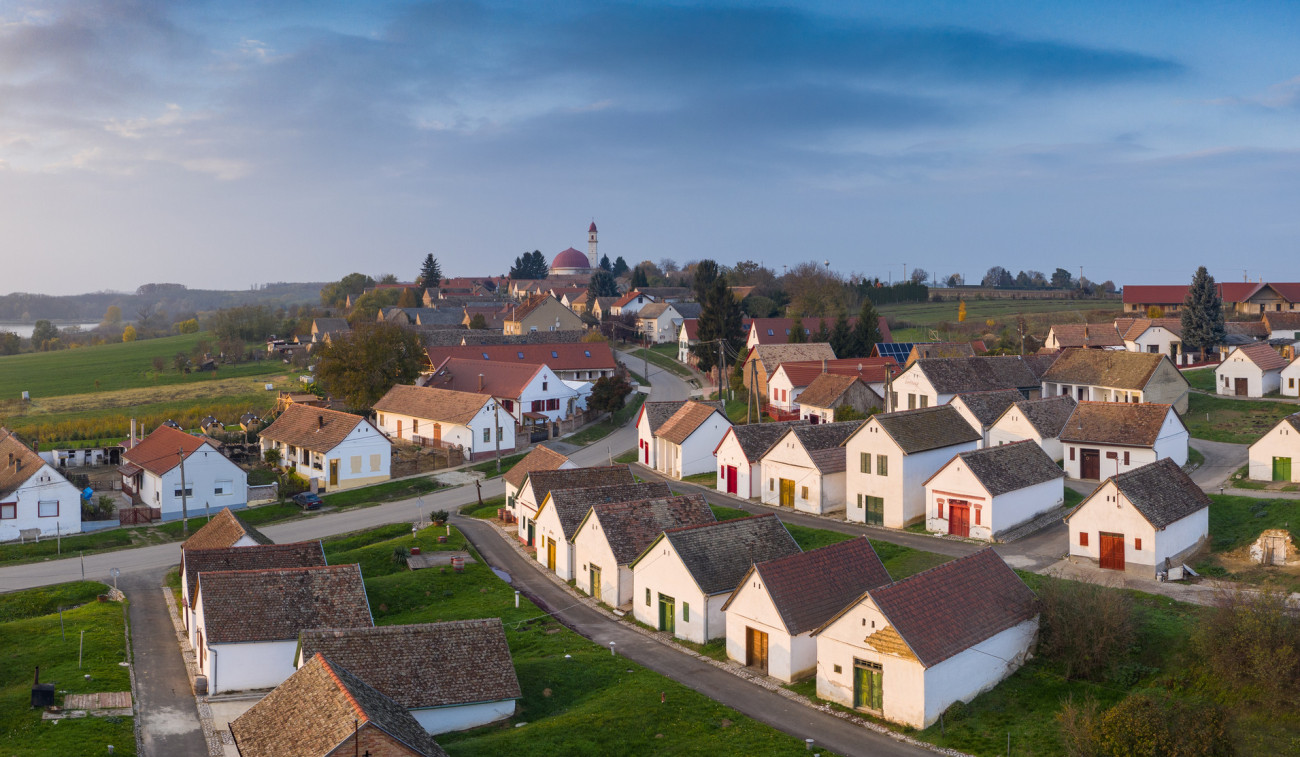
(224, 145)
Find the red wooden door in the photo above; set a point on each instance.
(1090, 464)
(958, 517)
(1112, 551)
(1241, 387)
(646, 446)
(731, 479)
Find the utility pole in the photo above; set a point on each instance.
(496, 419)
(721, 365)
(185, 501)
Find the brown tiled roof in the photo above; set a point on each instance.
(235, 606)
(1009, 467)
(658, 413)
(1119, 369)
(773, 355)
(653, 310)
(927, 428)
(320, 707)
(302, 554)
(157, 452)
(987, 406)
(833, 460)
(1039, 363)
(318, 429)
(1161, 491)
(942, 349)
(1133, 328)
(572, 505)
(823, 436)
(684, 422)
(826, 390)
(956, 375)
(1263, 356)
(1282, 321)
(464, 375)
(1122, 423)
(809, 588)
(630, 527)
(222, 531)
(756, 438)
(560, 356)
(717, 555)
(870, 369)
(1086, 335)
(529, 305)
(444, 405)
(950, 608)
(426, 664)
(541, 458)
(1256, 329)
(1047, 415)
(546, 481)
(19, 462)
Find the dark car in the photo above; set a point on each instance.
(307, 500)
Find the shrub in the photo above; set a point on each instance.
(1148, 725)
(1251, 639)
(1086, 628)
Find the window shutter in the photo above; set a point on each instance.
(1083, 538)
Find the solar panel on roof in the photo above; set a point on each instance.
(897, 350)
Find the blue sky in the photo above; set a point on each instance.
(227, 144)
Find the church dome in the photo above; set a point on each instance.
(570, 258)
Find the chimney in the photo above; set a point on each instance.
(823, 365)
(480, 382)
(320, 421)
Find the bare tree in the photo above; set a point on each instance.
(919, 275)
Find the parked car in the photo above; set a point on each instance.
(307, 500)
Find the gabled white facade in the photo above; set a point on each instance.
(959, 404)
(899, 481)
(1237, 367)
(45, 501)
(911, 693)
(362, 458)
(747, 480)
(659, 574)
(633, 306)
(1275, 456)
(663, 327)
(1108, 513)
(987, 515)
(781, 391)
(1157, 340)
(1289, 379)
(211, 481)
(475, 436)
(789, 658)
(548, 394)
(594, 559)
(812, 491)
(684, 344)
(695, 453)
(1013, 426)
(645, 441)
(549, 531)
(1115, 458)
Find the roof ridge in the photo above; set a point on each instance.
(679, 529)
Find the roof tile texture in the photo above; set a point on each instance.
(685, 421)
(157, 452)
(572, 505)
(927, 428)
(1263, 356)
(988, 406)
(13, 476)
(541, 458)
(223, 530)
(757, 438)
(809, 588)
(630, 527)
(560, 356)
(432, 404)
(1119, 369)
(1122, 423)
(303, 554)
(871, 370)
(1010, 467)
(955, 375)
(235, 607)
(1162, 492)
(318, 429)
(773, 355)
(718, 555)
(546, 481)
(826, 390)
(1047, 415)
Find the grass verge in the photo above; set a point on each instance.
(1200, 378)
(669, 364)
(1220, 419)
(617, 420)
(486, 510)
(389, 491)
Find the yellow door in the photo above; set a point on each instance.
(550, 554)
(787, 493)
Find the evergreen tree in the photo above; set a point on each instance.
(639, 278)
(841, 336)
(620, 266)
(430, 272)
(604, 263)
(797, 335)
(866, 332)
(1202, 314)
(531, 266)
(823, 333)
(602, 284)
(720, 316)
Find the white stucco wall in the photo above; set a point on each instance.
(960, 406)
(966, 675)
(1171, 442)
(438, 720)
(914, 390)
(789, 461)
(1235, 366)
(469, 436)
(591, 548)
(243, 667)
(995, 514)
(788, 658)
(903, 488)
(748, 477)
(1014, 427)
(364, 457)
(660, 571)
(695, 454)
(549, 529)
(1156, 339)
(1109, 511)
(44, 485)
(645, 442)
(204, 468)
(1281, 441)
(546, 385)
(788, 397)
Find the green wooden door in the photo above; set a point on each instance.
(667, 614)
(875, 511)
(867, 680)
(1281, 469)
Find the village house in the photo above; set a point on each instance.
(682, 580)
(450, 676)
(1289, 385)
(613, 535)
(631, 303)
(541, 312)
(764, 359)
(571, 361)
(33, 495)
(224, 530)
(324, 329)
(525, 390)
(1108, 376)
(539, 483)
(805, 468)
(829, 394)
(151, 474)
(1155, 336)
(1101, 439)
(685, 443)
(777, 330)
(890, 456)
(738, 454)
(1271, 455)
(1040, 421)
(446, 418)
(935, 381)
(981, 409)
(923, 350)
(657, 322)
(602, 308)
(1251, 371)
(984, 493)
(649, 419)
(267, 556)
(322, 710)
(1240, 297)
(778, 603)
(1283, 325)
(245, 642)
(791, 378)
(562, 510)
(1095, 336)
(688, 335)
(331, 449)
(540, 458)
(1145, 521)
(908, 650)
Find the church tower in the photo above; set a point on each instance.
(591, 245)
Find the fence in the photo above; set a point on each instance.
(263, 493)
(127, 516)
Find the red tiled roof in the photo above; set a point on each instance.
(780, 328)
(632, 295)
(870, 370)
(1263, 356)
(1174, 294)
(222, 531)
(157, 452)
(463, 375)
(315, 428)
(569, 356)
(692, 326)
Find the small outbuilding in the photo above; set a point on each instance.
(1040, 421)
(1253, 370)
(739, 453)
(1272, 455)
(563, 509)
(1101, 439)
(983, 493)
(804, 469)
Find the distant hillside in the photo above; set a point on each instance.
(173, 298)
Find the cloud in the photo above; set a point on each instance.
(1284, 96)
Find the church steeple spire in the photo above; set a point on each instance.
(591, 245)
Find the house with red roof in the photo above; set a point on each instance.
(908, 650)
(529, 390)
(1241, 297)
(573, 361)
(1250, 371)
(632, 302)
(792, 377)
(151, 474)
(777, 330)
(541, 312)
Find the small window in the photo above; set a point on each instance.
(554, 354)
(521, 355)
(838, 669)
(1083, 538)
(1126, 457)
(864, 462)
(647, 597)
(485, 356)
(882, 465)
(8, 510)
(977, 516)
(586, 353)
(939, 509)
(686, 612)
(771, 484)
(925, 401)
(804, 492)
(223, 487)
(50, 509)
(545, 383)
(487, 434)
(1137, 544)
(1072, 453)
(859, 501)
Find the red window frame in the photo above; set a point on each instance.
(12, 507)
(553, 403)
(537, 406)
(1137, 543)
(1083, 538)
(977, 515)
(939, 507)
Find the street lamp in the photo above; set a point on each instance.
(114, 572)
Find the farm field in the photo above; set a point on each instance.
(923, 317)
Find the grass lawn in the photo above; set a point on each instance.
(1237, 521)
(577, 698)
(709, 479)
(667, 362)
(489, 468)
(1220, 419)
(627, 457)
(1194, 456)
(1201, 378)
(29, 636)
(617, 420)
(933, 313)
(487, 510)
(1072, 497)
(388, 491)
